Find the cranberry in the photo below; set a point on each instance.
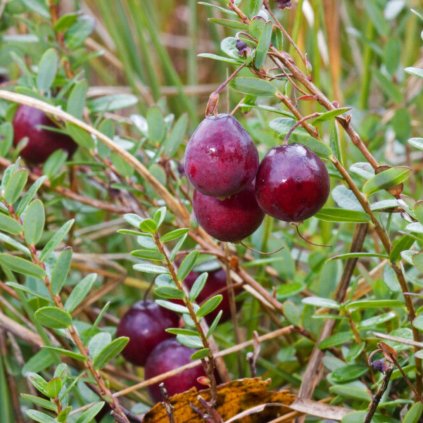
(220, 158)
(231, 219)
(216, 284)
(41, 142)
(169, 355)
(145, 323)
(292, 183)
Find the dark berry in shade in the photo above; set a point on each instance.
(144, 324)
(231, 219)
(169, 355)
(216, 284)
(29, 123)
(220, 159)
(283, 4)
(292, 183)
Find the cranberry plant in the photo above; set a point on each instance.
(160, 232)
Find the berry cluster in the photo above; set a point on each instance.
(145, 325)
(233, 191)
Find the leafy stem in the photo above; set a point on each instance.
(104, 391)
(209, 367)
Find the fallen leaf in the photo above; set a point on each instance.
(250, 395)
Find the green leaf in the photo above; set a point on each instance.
(76, 101)
(53, 387)
(200, 354)
(418, 322)
(20, 265)
(80, 292)
(15, 185)
(339, 338)
(190, 341)
(65, 22)
(39, 416)
(418, 211)
(159, 216)
(219, 58)
(56, 239)
(182, 331)
(263, 44)
(330, 115)
(415, 71)
(6, 138)
(169, 293)
(229, 23)
(228, 46)
(187, 265)
(254, 86)
(418, 261)
(53, 317)
(321, 302)
(98, 342)
(414, 413)
(156, 125)
(172, 306)
(149, 226)
(376, 15)
(67, 353)
(88, 415)
(348, 256)
(341, 215)
(54, 164)
(39, 362)
(209, 305)
(399, 245)
(214, 324)
(61, 270)
(9, 225)
(79, 31)
(348, 373)
(47, 69)
(111, 103)
(150, 268)
(175, 234)
(80, 136)
(33, 222)
(43, 403)
(345, 198)
(176, 136)
(415, 227)
(349, 390)
(198, 286)
(148, 255)
(37, 6)
(416, 143)
(386, 179)
(368, 304)
(30, 194)
(109, 352)
(39, 383)
(388, 87)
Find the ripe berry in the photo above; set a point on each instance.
(145, 323)
(292, 183)
(169, 355)
(231, 219)
(216, 281)
(220, 158)
(41, 142)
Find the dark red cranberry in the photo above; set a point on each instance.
(216, 284)
(220, 158)
(41, 142)
(292, 183)
(145, 323)
(169, 355)
(231, 219)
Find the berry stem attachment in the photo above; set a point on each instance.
(211, 108)
(297, 124)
